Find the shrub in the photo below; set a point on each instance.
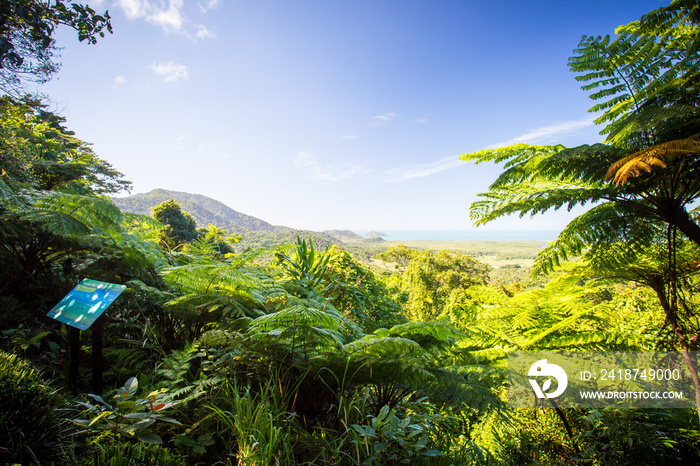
(31, 427)
(132, 454)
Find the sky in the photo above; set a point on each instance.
(332, 114)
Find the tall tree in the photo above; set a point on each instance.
(39, 152)
(436, 281)
(180, 227)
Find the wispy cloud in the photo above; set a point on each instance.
(119, 81)
(171, 71)
(327, 173)
(418, 171)
(419, 121)
(166, 14)
(380, 120)
(204, 7)
(204, 33)
(348, 136)
(547, 134)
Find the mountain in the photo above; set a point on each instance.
(205, 211)
(254, 231)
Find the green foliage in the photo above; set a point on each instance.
(569, 312)
(127, 416)
(304, 268)
(632, 437)
(212, 240)
(256, 423)
(37, 151)
(306, 359)
(390, 439)
(356, 291)
(536, 436)
(211, 290)
(31, 426)
(47, 236)
(400, 256)
(27, 30)
(435, 281)
(646, 78)
(132, 454)
(648, 82)
(180, 227)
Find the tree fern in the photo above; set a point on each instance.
(231, 286)
(72, 214)
(646, 78)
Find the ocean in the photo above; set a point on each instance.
(473, 235)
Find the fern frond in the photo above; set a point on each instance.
(429, 335)
(73, 214)
(606, 224)
(659, 155)
(295, 316)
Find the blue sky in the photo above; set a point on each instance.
(325, 114)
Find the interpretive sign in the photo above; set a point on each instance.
(85, 303)
(597, 379)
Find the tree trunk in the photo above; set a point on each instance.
(676, 216)
(672, 321)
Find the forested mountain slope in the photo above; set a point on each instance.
(255, 232)
(205, 210)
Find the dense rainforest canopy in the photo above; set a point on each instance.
(300, 354)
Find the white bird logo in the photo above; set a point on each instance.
(542, 368)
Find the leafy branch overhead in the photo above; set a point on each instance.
(27, 43)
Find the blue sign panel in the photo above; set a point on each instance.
(85, 303)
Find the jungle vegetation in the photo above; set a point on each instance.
(303, 353)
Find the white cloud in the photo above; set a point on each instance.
(119, 80)
(170, 15)
(164, 13)
(133, 8)
(171, 71)
(348, 136)
(418, 171)
(420, 121)
(169, 18)
(547, 134)
(204, 33)
(380, 120)
(206, 6)
(308, 161)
